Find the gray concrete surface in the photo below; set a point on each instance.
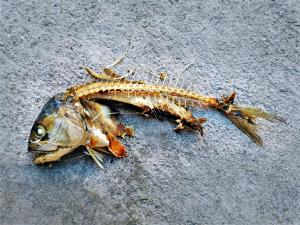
(168, 178)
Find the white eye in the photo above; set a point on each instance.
(40, 131)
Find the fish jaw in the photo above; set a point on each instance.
(52, 156)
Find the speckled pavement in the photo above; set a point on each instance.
(168, 178)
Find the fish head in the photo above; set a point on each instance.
(59, 125)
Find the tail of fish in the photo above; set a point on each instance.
(244, 117)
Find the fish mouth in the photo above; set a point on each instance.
(39, 156)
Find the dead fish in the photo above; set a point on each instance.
(73, 118)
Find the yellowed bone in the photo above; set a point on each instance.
(53, 156)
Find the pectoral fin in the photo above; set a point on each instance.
(116, 147)
(123, 130)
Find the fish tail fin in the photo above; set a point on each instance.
(244, 117)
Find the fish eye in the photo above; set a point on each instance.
(40, 131)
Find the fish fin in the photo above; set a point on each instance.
(245, 126)
(253, 113)
(97, 157)
(107, 74)
(122, 79)
(244, 116)
(116, 147)
(101, 76)
(111, 75)
(103, 150)
(123, 130)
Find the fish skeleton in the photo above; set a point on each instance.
(76, 118)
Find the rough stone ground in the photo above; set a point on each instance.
(168, 178)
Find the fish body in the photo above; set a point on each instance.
(75, 118)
